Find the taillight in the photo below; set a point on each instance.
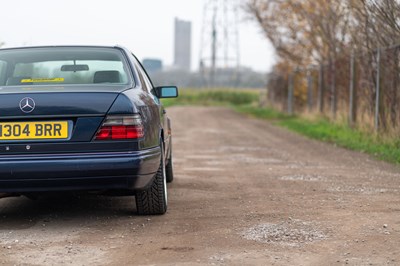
(120, 127)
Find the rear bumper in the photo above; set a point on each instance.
(64, 172)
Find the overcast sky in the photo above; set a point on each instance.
(146, 27)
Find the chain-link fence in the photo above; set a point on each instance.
(363, 89)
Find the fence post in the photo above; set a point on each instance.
(321, 89)
(290, 93)
(353, 97)
(378, 89)
(309, 90)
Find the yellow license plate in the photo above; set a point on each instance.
(34, 130)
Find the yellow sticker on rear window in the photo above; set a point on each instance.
(42, 80)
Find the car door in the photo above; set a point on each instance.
(153, 108)
(162, 112)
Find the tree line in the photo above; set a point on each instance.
(306, 32)
(348, 49)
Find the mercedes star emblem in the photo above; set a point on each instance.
(27, 105)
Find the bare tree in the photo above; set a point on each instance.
(325, 32)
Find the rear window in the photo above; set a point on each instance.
(56, 66)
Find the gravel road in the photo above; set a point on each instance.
(245, 193)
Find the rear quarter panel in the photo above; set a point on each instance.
(149, 109)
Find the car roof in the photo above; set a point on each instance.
(63, 46)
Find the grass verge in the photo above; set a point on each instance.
(322, 129)
(244, 101)
(214, 97)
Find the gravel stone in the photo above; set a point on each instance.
(291, 233)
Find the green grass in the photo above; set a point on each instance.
(324, 130)
(245, 101)
(213, 97)
(342, 135)
(263, 113)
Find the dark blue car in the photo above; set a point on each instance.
(81, 118)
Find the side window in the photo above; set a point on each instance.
(3, 72)
(144, 78)
(148, 82)
(141, 77)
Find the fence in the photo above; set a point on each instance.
(364, 89)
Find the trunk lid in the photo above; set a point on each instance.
(55, 101)
(75, 111)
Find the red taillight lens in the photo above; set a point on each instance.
(121, 127)
(104, 133)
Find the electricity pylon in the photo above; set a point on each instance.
(219, 48)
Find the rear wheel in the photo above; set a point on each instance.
(169, 168)
(153, 200)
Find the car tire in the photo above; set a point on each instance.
(154, 200)
(169, 168)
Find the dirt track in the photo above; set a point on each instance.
(245, 192)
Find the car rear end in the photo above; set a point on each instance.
(62, 126)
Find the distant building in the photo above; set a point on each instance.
(152, 65)
(183, 44)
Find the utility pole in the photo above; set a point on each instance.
(220, 64)
(214, 47)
